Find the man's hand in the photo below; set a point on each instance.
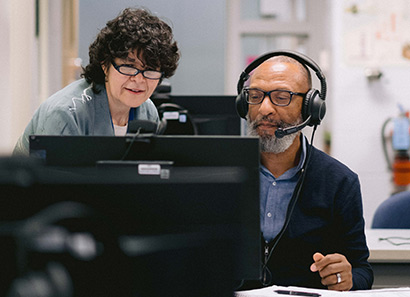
(335, 271)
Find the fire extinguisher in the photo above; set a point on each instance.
(400, 144)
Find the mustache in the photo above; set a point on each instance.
(267, 119)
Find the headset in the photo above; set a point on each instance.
(313, 107)
(178, 120)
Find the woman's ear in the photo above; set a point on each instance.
(104, 68)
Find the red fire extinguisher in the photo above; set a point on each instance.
(401, 169)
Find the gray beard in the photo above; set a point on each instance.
(270, 143)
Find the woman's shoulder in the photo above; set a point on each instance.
(147, 111)
(80, 90)
(75, 96)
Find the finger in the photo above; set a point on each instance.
(331, 263)
(343, 286)
(341, 281)
(338, 287)
(329, 280)
(332, 279)
(341, 266)
(316, 257)
(331, 270)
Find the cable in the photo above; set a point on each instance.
(131, 143)
(386, 155)
(391, 238)
(293, 201)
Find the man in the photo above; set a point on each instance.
(311, 206)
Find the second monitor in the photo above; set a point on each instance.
(199, 115)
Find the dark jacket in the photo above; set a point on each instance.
(328, 218)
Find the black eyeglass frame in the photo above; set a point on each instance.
(270, 98)
(117, 67)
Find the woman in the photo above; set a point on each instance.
(128, 59)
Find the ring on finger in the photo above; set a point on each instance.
(339, 278)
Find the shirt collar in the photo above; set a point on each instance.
(292, 171)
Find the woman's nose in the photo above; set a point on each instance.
(137, 77)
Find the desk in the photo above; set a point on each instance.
(389, 256)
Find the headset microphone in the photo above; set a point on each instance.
(280, 132)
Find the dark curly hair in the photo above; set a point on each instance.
(134, 29)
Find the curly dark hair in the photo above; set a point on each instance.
(134, 29)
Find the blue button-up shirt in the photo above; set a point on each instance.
(275, 195)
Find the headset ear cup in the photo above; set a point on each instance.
(313, 106)
(241, 105)
(318, 110)
(306, 105)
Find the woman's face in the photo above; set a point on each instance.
(125, 91)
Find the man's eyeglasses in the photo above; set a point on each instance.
(277, 97)
(132, 71)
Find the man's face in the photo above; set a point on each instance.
(264, 118)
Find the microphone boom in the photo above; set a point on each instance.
(280, 132)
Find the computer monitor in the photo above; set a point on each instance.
(186, 207)
(199, 115)
(182, 150)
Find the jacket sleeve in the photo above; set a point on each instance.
(46, 122)
(350, 225)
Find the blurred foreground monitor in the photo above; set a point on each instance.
(127, 216)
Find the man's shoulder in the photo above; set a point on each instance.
(326, 164)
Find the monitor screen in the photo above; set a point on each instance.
(199, 115)
(183, 205)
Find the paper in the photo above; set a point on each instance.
(270, 291)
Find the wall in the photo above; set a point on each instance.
(199, 29)
(359, 109)
(19, 74)
(5, 117)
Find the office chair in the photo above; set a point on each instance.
(394, 212)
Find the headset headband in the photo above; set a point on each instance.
(304, 60)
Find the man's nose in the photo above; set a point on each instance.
(266, 106)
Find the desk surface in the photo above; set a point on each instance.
(388, 245)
